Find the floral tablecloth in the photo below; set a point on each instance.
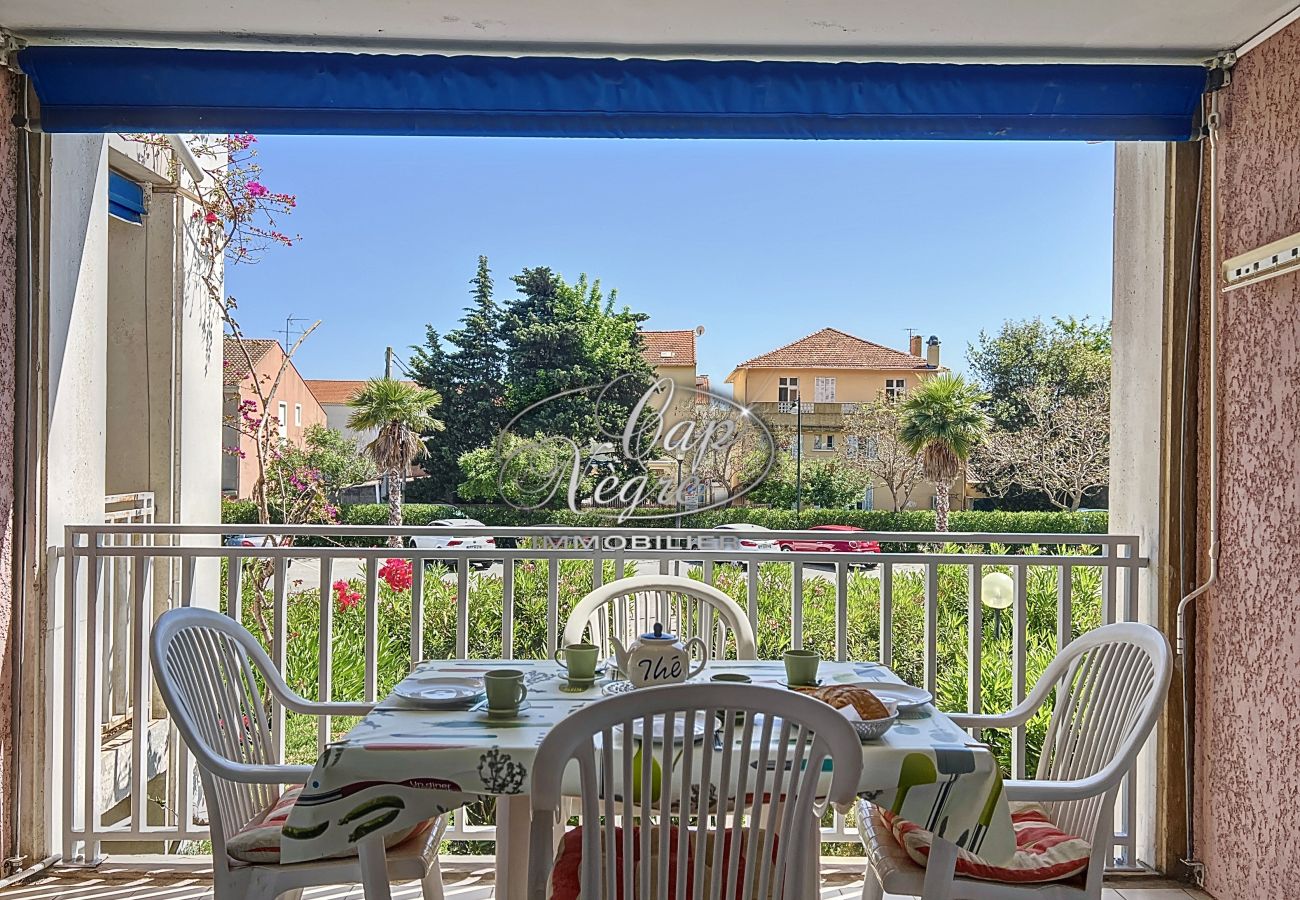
(399, 765)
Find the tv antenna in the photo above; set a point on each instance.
(291, 329)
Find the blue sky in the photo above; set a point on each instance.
(761, 242)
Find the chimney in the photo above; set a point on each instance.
(914, 346)
(931, 350)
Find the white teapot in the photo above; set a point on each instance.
(658, 658)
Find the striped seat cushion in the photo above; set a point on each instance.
(1043, 851)
(567, 869)
(259, 841)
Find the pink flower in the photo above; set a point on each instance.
(398, 573)
(210, 218)
(257, 189)
(345, 598)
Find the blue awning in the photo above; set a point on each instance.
(125, 198)
(105, 89)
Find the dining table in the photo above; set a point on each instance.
(402, 764)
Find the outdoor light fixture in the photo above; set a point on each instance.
(997, 592)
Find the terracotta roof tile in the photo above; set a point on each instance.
(680, 344)
(235, 368)
(327, 390)
(831, 348)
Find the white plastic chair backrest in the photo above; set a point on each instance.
(201, 663)
(1110, 687)
(630, 607)
(765, 773)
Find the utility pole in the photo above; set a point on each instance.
(388, 362)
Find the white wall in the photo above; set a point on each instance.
(70, 372)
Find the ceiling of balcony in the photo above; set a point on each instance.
(1029, 30)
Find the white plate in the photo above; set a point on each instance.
(440, 691)
(679, 729)
(904, 696)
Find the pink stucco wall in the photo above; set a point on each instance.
(1248, 635)
(8, 292)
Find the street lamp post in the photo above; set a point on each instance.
(798, 454)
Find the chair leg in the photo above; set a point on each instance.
(939, 870)
(871, 886)
(431, 884)
(374, 868)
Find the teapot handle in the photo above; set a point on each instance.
(704, 653)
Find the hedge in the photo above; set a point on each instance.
(245, 513)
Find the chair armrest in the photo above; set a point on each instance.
(1045, 791)
(1010, 719)
(312, 708)
(244, 773)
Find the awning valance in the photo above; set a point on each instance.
(102, 89)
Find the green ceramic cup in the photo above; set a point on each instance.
(579, 660)
(505, 689)
(801, 666)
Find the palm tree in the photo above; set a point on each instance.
(943, 422)
(400, 411)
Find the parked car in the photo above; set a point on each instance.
(451, 540)
(750, 544)
(252, 540)
(832, 544)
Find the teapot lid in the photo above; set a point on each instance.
(658, 634)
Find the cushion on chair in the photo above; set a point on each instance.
(259, 840)
(1043, 851)
(567, 869)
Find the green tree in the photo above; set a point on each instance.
(1066, 357)
(402, 415)
(560, 337)
(942, 420)
(1027, 368)
(529, 472)
(470, 376)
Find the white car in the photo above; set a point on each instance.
(451, 540)
(750, 544)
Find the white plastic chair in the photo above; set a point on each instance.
(766, 777)
(201, 663)
(629, 607)
(1110, 687)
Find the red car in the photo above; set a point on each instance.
(831, 545)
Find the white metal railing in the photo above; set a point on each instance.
(120, 509)
(916, 602)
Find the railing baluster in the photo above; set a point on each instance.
(187, 580)
(796, 604)
(324, 644)
(751, 593)
(1108, 584)
(552, 605)
(417, 610)
(94, 668)
(931, 625)
(1130, 582)
(508, 608)
(1018, 666)
(975, 635)
(234, 588)
(1064, 606)
(141, 604)
(841, 611)
(887, 613)
(462, 608)
(279, 644)
(372, 628)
